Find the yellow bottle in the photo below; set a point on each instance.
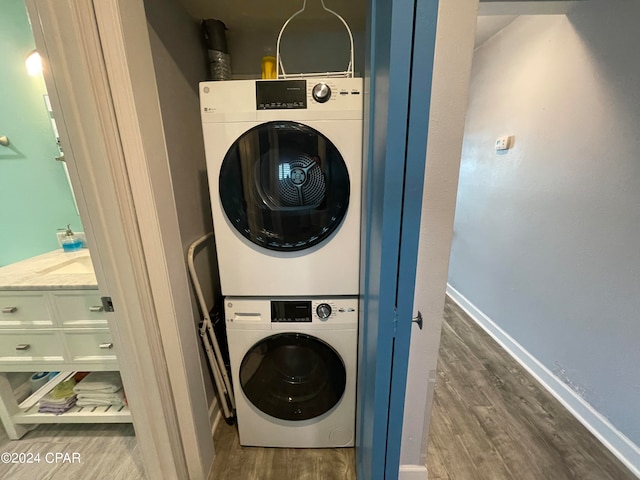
(268, 67)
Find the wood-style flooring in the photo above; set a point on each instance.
(106, 452)
(234, 462)
(490, 421)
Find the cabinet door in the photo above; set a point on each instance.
(91, 346)
(79, 308)
(20, 347)
(24, 310)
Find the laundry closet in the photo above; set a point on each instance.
(297, 281)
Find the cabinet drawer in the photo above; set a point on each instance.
(89, 346)
(31, 347)
(79, 308)
(24, 309)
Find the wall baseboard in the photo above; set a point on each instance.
(614, 440)
(413, 472)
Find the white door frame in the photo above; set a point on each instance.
(121, 228)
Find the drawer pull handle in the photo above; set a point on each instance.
(106, 346)
(9, 309)
(96, 308)
(23, 347)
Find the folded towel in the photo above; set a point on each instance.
(95, 399)
(57, 408)
(63, 390)
(57, 411)
(57, 401)
(99, 403)
(60, 399)
(102, 382)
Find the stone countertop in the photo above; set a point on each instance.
(33, 274)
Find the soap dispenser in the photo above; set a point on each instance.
(70, 241)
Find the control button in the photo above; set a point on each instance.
(321, 92)
(323, 310)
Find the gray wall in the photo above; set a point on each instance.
(179, 59)
(546, 237)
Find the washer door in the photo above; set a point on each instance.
(293, 376)
(284, 186)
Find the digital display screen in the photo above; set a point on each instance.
(281, 94)
(283, 311)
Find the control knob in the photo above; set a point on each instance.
(323, 310)
(321, 92)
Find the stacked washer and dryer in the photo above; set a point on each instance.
(284, 160)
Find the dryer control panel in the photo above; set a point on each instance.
(281, 94)
(299, 94)
(293, 99)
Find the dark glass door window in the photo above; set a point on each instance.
(293, 376)
(284, 186)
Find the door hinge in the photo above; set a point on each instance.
(107, 304)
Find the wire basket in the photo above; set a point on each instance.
(280, 72)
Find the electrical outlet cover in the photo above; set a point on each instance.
(502, 143)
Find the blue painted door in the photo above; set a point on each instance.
(398, 72)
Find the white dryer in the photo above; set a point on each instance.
(293, 366)
(284, 161)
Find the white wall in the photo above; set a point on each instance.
(546, 236)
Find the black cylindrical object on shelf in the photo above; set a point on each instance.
(219, 60)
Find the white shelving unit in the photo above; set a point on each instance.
(58, 330)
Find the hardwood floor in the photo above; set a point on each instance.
(234, 462)
(106, 452)
(491, 421)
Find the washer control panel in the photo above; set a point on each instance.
(334, 309)
(286, 313)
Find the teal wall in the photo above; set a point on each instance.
(35, 198)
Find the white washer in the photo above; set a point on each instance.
(293, 366)
(284, 161)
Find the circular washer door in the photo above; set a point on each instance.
(284, 186)
(293, 376)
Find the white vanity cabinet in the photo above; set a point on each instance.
(53, 331)
(51, 323)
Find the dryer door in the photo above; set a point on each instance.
(293, 376)
(284, 186)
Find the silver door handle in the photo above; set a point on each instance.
(418, 319)
(106, 346)
(23, 346)
(9, 309)
(96, 308)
